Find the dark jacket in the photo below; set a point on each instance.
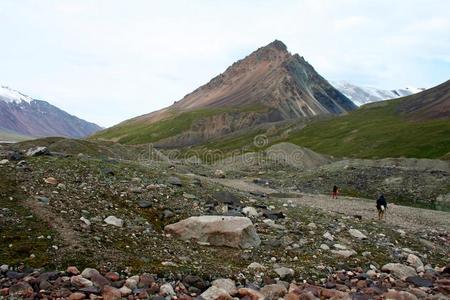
(381, 202)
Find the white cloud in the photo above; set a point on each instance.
(431, 24)
(349, 22)
(107, 60)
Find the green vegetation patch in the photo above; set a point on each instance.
(140, 132)
(12, 136)
(376, 131)
(25, 239)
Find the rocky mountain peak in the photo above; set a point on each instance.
(274, 47)
(268, 85)
(277, 44)
(257, 63)
(271, 52)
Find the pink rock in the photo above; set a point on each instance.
(51, 180)
(184, 297)
(292, 287)
(111, 293)
(152, 187)
(226, 284)
(80, 282)
(125, 291)
(132, 282)
(143, 295)
(399, 295)
(88, 272)
(370, 291)
(215, 293)
(313, 289)
(330, 293)
(361, 284)
(308, 296)
(73, 270)
(252, 294)
(99, 281)
(154, 288)
(4, 292)
(60, 293)
(274, 291)
(418, 293)
(21, 289)
(292, 296)
(112, 276)
(146, 280)
(77, 296)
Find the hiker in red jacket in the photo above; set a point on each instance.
(335, 192)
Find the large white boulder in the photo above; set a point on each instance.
(414, 261)
(284, 272)
(225, 284)
(398, 270)
(36, 151)
(215, 293)
(250, 212)
(357, 234)
(236, 232)
(112, 220)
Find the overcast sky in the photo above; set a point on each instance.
(107, 61)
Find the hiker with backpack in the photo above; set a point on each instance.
(381, 207)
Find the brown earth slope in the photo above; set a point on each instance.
(273, 77)
(428, 105)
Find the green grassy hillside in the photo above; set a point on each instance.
(9, 136)
(135, 131)
(414, 126)
(376, 131)
(373, 131)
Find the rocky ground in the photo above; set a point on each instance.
(83, 211)
(286, 167)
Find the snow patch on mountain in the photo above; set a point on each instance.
(361, 95)
(12, 96)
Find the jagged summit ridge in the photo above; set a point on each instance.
(270, 76)
(277, 44)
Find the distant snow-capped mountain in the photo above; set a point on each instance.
(24, 115)
(9, 95)
(361, 94)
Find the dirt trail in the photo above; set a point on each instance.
(68, 235)
(410, 218)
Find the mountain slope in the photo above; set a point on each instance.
(24, 115)
(267, 86)
(361, 95)
(428, 105)
(413, 126)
